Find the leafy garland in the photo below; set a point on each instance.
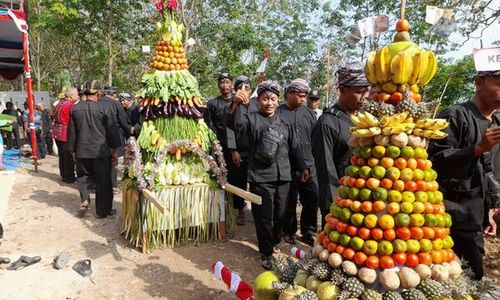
(133, 158)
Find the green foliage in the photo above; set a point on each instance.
(461, 82)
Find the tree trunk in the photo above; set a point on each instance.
(111, 59)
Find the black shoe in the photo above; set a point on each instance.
(4, 260)
(83, 267)
(69, 180)
(112, 212)
(23, 262)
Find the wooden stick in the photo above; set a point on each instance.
(403, 8)
(243, 194)
(152, 198)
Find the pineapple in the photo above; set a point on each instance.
(285, 268)
(322, 270)
(338, 276)
(407, 105)
(371, 295)
(432, 289)
(386, 109)
(280, 286)
(391, 295)
(413, 294)
(352, 287)
(307, 295)
(371, 106)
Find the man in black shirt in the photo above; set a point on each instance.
(274, 146)
(215, 116)
(302, 120)
(239, 148)
(331, 134)
(133, 114)
(468, 164)
(92, 140)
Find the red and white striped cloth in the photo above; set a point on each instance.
(297, 253)
(240, 288)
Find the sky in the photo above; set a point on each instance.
(490, 35)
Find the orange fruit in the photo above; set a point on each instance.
(451, 255)
(421, 185)
(429, 208)
(383, 96)
(412, 260)
(425, 258)
(421, 164)
(355, 206)
(326, 242)
(400, 163)
(364, 233)
(402, 25)
(396, 97)
(332, 223)
(399, 185)
(428, 232)
(439, 232)
(437, 257)
(377, 234)
(389, 234)
(417, 97)
(399, 258)
(347, 202)
(348, 253)
(352, 230)
(444, 254)
(373, 162)
(410, 186)
(373, 183)
(386, 183)
(341, 227)
(393, 208)
(386, 162)
(416, 233)
(378, 206)
(360, 183)
(403, 233)
(360, 258)
(340, 249)
(352, 181)
(411, 163)
(366, 206)
(386, 262)
(331, 247)
(372, 262)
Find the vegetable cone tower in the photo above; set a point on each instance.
(176, 155)
(387, 233)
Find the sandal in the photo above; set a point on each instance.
(266, 262)
(61, 261)
(4, 260)
(23, 261)
(83, 267)
(290, 239)
(83, 208)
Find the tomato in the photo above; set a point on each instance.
(399, 258)
(377, 234)
(416, 233)
(341, 227)
(372, 262)
(403, 233)
(340, 249)
(386, 262)
(348, 253)
(364, 233)
(437, 257)
(425, 258)
(331, 247)
(352, 230)
(390, 234)
(360, 258)
(412, 260)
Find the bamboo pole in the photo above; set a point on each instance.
(403, 8)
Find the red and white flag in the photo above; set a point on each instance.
(20, 23)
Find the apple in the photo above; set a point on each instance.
(402, 220)
(365, 171)
(378, 172)
(370, 221)
(413, 246)
(385, 248)
(357, 219)
(399, 246)
(379, 194)
(417, 220)
(393, 173)
(425, 245)
(365, 194)
(370, 247)
(394, 196)
(357, 243)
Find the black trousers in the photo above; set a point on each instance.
(13, 140)
(268, 217)
(49, 142)
(96, 171)
(237, 177)
(40, 143)
(469, 245)
(66, 162)
(307, 193)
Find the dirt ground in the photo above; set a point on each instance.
(40, 220)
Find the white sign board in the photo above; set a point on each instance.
(433, 14)
(146, 49)
(487, 59)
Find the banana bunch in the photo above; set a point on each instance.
(365, 132)
(398, 128)
(391, 121)
(404, 67)
(364, 120)
(429, 133)
(432, 124)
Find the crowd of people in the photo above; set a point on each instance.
(286, 151)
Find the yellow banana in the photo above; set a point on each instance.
(427, 133)
(416, 68)
(383, 65)
(371, 119)
(418, 131)
(393, 130)
(439, 124)
(437, 135)
(375, 130)
(355, 120)
(366, 132)
(401, 67)
(430, 72)
(370, 68)
(363, 122)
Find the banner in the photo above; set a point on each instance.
(433, 14)
(371, 25)
(487, 59)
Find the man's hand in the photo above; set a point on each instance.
(73, 155)
(132, 130)
(491, 229)
(236, 158)
(490, 139)
(114, 156)
(242, 96)
(304, 176)
(496, 212)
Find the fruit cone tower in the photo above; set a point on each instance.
(387, 233)
(176, 155)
